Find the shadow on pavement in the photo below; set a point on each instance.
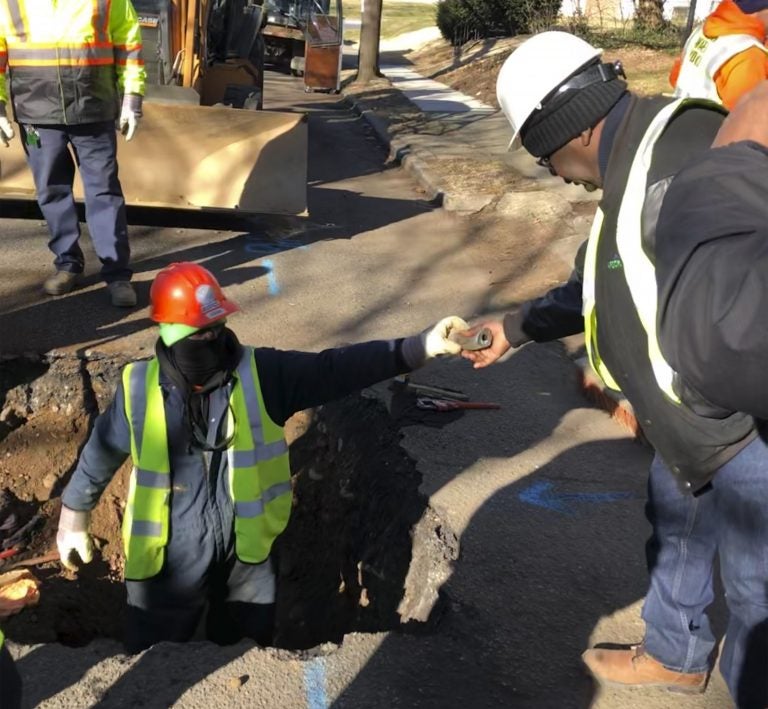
(543, 559)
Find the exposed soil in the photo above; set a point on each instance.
(343, 561)
(473, 67)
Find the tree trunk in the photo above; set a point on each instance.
(689, 22)
(650, 14)
(370, 30)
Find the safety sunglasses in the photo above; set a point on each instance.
(545, 162)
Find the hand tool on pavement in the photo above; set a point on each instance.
(481, 340)
(428, 404)
(429, 390)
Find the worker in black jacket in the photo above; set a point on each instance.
(713, 267)
(211, 485)
(574, 114)
(712, 249)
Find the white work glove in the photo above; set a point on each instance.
(433, 342)
(72, 536)
(6, 129)
(130, 114)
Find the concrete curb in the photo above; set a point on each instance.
(400, 151)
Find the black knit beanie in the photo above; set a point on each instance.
(569, 115)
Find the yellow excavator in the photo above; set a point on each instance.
(204, 141)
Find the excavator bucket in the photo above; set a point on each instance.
(199, 157)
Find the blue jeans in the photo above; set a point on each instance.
(53, 168)
(731, 520)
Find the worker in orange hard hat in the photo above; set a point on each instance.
(210, 489)
(725, 56)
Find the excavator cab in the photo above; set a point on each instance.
(204, 141)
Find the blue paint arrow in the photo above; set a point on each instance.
(272, 285)
(541, 494)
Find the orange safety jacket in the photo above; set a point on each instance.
(742, 71)
(68, 60)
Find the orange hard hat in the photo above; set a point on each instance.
(188, 294)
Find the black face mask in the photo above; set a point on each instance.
(199, 360)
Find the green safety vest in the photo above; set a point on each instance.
(257, 457)
(2, 639)
(639, 270)
(703, 57)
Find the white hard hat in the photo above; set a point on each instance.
(535, 69)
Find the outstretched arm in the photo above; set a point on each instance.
(293, 381)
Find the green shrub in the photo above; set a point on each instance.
(462, 20)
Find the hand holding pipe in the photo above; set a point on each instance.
(481, 340)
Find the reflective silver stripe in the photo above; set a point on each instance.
(275, 491)
(639, 270)
(148, 478)
(249, 509)
(265, 451)
(62, 55)
(245, 374)
(101, 20)
(138, 394)
(145, 528)
(256, 507)
(124, 55)
(18, 23)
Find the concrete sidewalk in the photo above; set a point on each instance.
(453, 125)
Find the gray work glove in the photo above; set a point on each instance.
(6, 129)
(417, 350)
(72, 536)
(130, 114)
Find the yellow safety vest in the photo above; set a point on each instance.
(257, 457)
(2, 639)
(702, 59)
(639, 270)
(81, 51)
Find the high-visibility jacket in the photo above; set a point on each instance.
(68, 60)
(703, 58)
(639, 269)
(258, 469)
(723, 58)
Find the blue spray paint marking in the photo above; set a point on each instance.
(540, 494)
(272, 284)
(314, 684)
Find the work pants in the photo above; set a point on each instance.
(729, 520)
(10, 682)
(239, 599)
(53, 167)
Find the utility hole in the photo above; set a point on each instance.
(363, 551)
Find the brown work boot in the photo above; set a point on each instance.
(61, 282)
(122, 294)
(633, 666)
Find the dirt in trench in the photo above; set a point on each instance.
(343, 561)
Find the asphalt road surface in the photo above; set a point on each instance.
(545, 494)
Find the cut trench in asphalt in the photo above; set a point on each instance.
(363, 551)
